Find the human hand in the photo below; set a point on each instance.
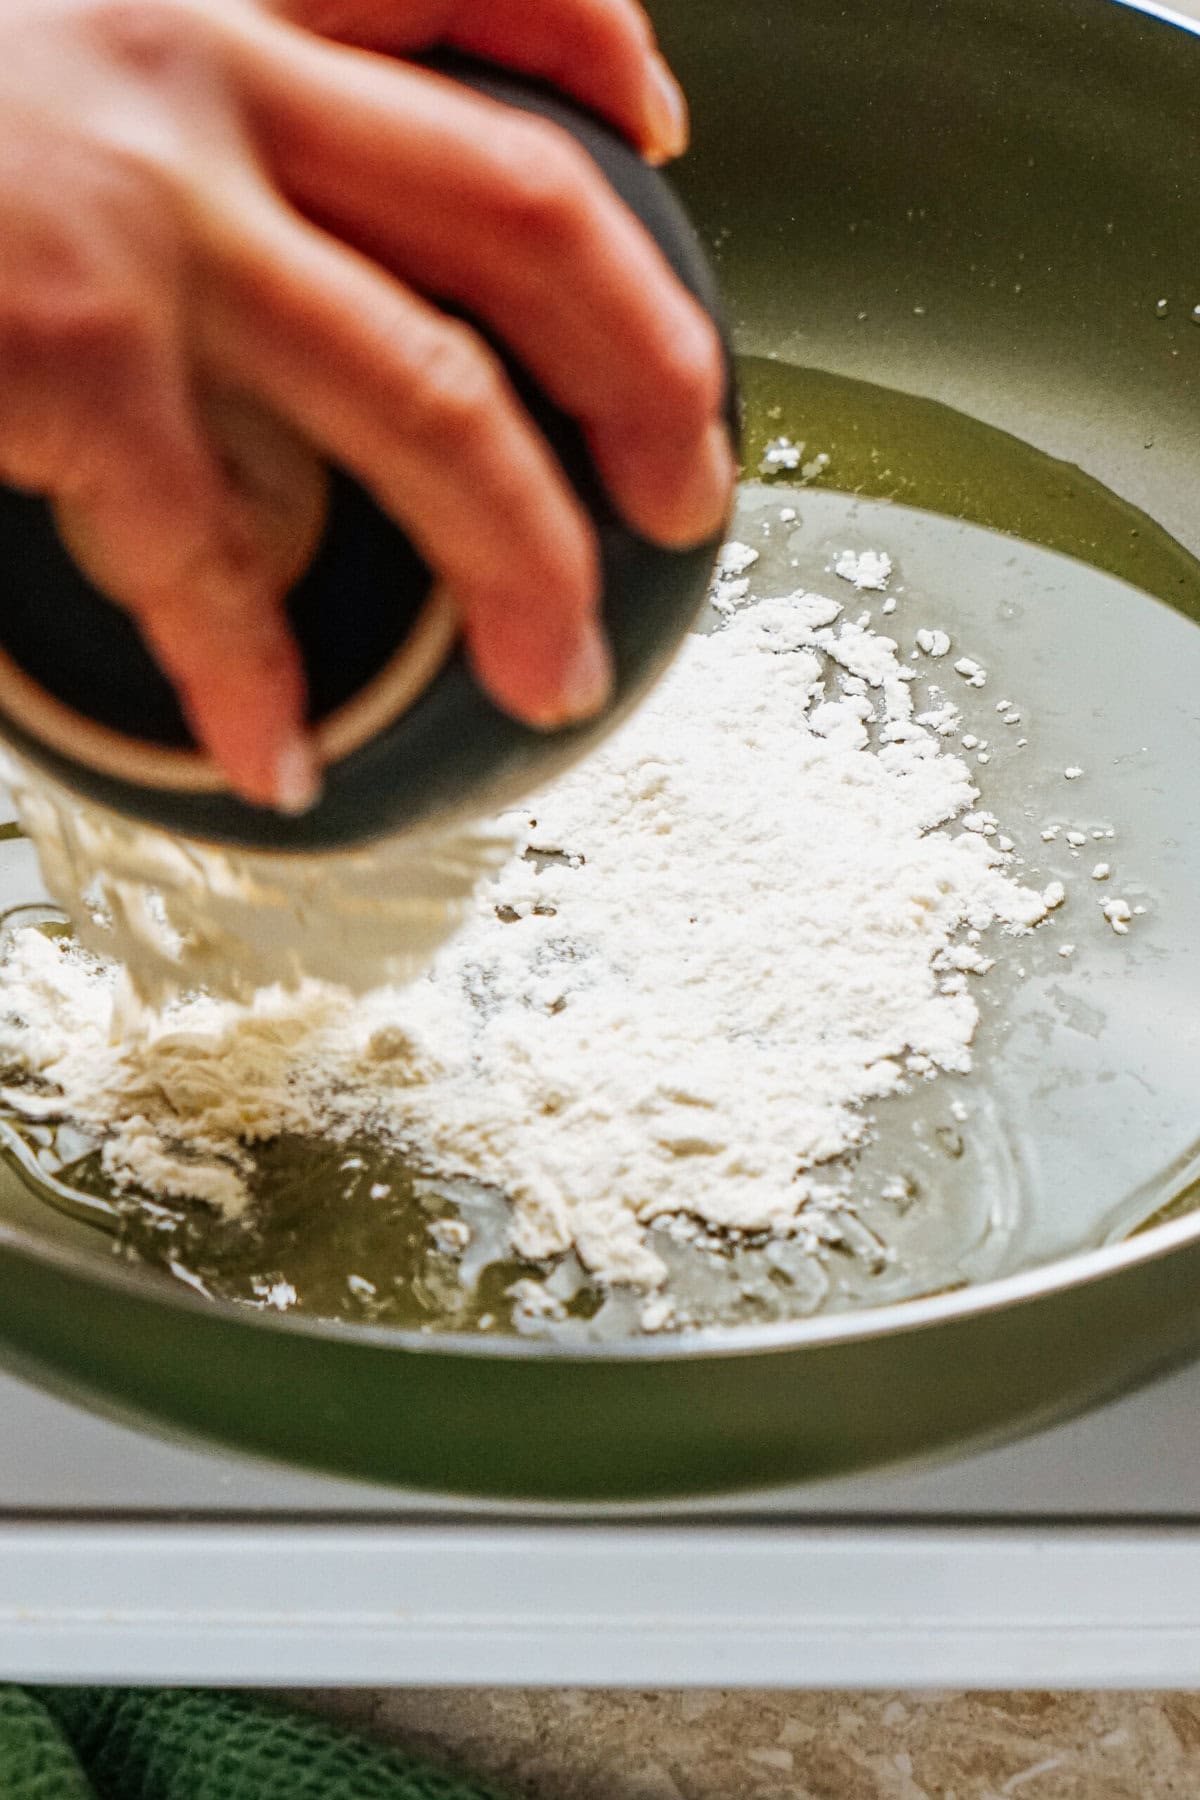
(235, 198)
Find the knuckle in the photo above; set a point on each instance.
(67, 328)
(146, 36)
(189, 626)
(147, 169)
(458, 386)
(547, 185)
(167, 58)
(69, 358)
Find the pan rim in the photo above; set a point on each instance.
(900, 1318)
(1165, 14)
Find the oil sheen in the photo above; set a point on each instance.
(1080, 1109)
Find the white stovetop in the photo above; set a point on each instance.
(1070, 1560)
(1137, 1459)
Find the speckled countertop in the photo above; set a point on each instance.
(565, 1745)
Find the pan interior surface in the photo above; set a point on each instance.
(1077, 1123)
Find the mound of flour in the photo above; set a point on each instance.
(755, 911)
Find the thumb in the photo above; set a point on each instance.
(200, 533)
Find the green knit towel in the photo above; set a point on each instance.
(36, 1761)
(182, 1744)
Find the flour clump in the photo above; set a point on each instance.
(750, 915)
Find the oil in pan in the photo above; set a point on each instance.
(1076, 1123)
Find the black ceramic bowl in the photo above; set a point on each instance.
(353, 609)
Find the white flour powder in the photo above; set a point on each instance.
(178, 914)
(751, 913)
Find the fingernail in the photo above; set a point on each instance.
(297, 778)
(588, 679)
(668, 111)
(705, 499)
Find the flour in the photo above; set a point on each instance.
(179, 1104)
(751, 915)
(972, 674)
(177, 913)
(1118, 913)
(864, 568)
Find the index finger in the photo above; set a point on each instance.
(602, 52)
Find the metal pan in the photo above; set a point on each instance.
(904, 160)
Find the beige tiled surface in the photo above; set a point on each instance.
(816, 1746)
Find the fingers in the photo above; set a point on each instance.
(504, 216)
(222, 636)
(101, 419)
(601, 51)
(237, 671)
(419, 410)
